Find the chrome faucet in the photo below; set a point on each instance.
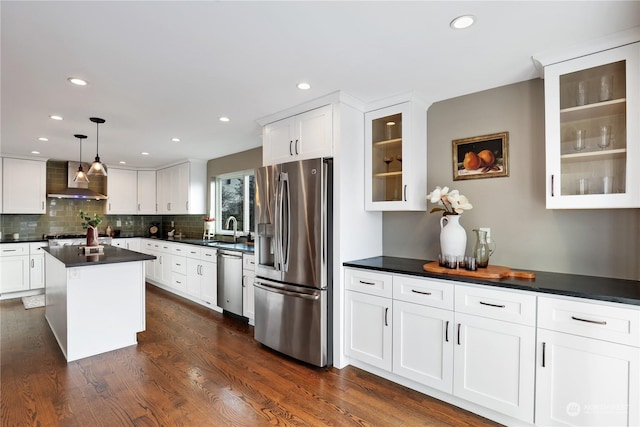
(235, 227)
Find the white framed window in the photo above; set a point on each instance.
(232, 195)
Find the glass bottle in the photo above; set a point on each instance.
(483, 250)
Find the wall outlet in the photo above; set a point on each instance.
(172, 226)
(488, 231)
(118, 223)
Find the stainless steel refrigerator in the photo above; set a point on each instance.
(293, 259)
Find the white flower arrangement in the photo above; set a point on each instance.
(451, 202)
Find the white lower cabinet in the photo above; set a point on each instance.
(369, 331)
(201, 274)
(36, 265)
(248, 276)
(588, 370)
(14, 267)
(423, 344)
(494, 363)
(478, 346)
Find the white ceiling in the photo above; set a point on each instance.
(158, 70)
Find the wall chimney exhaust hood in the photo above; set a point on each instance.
(76, 189)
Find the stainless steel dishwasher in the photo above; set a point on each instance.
(230, 281)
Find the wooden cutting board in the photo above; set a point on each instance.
(490, 272)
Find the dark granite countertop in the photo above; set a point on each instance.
(72, 256)
(598, 288)
(10, 239)
(240, 247)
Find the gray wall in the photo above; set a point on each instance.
(234, 162)
(528, 236)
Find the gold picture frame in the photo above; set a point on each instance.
(485, 156)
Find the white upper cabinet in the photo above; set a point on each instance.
(592, 130)
(122, 191)
(146, 192)
(396, 158)
(181, 189)
(24, 196)
(304, 136)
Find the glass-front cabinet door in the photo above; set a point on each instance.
(593, 130)
(395, 153)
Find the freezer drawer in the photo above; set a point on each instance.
(292, 320)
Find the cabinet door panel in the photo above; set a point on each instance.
(24, 196)
(278, 142)
(592, 137)
(368, 335)
(586, 382)
(209, 282)
(14, 273)
(313, 137)
(122, 191)
(423, 344)
(146, 192)
(495, 364)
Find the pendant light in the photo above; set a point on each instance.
(97, 168)
(81, 176)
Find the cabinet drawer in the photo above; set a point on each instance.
(179, 249)
(614, 323)
(36, 248)
(496, 304)
(248, 262)
(192, 251)
(179, 281)
(14, 249)
(179, 264)
(208, 254)
(433, 293)
(369, 282)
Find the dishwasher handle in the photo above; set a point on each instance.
(312, 297)
(224, 254)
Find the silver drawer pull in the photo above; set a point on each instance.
(367, 283)
(597, 322)
(420, 292)
(492, 305)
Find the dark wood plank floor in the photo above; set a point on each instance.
(192, 367)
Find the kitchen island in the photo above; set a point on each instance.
(94, 303)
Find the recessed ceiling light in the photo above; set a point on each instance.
(304, 86)
(175, 139)
(462, 22)
(35, 152)
(144, 153)
(76, 81)
(122, 162)
(54, 117)
(224, 119)
(42, 138)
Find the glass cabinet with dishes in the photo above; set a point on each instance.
(396, 157)
(593, 131)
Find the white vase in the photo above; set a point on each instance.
(453, 237)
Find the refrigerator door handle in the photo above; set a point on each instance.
(286, 222)
(277, 219)
(311, 297)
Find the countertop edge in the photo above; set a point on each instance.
(572, 285)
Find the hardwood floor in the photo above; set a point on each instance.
(192, 367)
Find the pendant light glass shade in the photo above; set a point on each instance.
(97, 168)
(81, 176)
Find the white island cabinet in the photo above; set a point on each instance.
(94, 303)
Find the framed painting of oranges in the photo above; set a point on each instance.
(484, 156)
